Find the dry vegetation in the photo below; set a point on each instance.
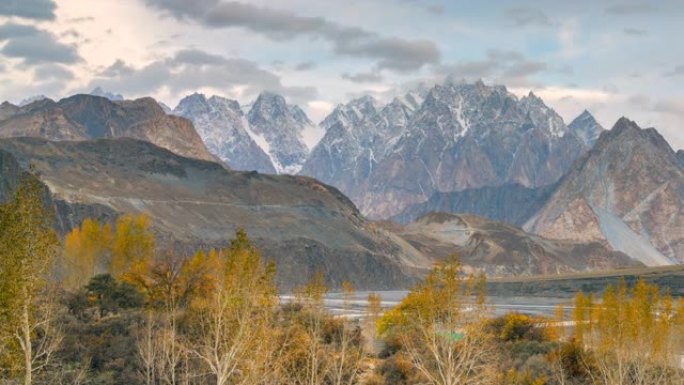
(107, 307)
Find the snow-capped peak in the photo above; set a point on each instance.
(98, 91)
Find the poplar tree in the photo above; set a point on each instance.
(28, 246)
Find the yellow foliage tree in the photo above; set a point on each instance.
(440, 326)
(85, 248)
(635, 336)
(28, 245)
(232, 332)
(133, 246)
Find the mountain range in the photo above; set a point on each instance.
(269, 137)
(539, 196)
(453, 137)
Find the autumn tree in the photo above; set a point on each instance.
(373, 313)
(171, 283)
(440, 327)
(630, 336)
(304, 360)
(28, 245)
(231, 325)
(133, 245)
(347, 351)
(87, 248)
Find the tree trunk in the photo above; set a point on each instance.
(28, 349)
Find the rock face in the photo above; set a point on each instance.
(7, 110)
(680, 155)
(225, 131)
(586, 128)
(504, 250)
(451, 138)
(34, 98)
(279, 129)
(68, 215)
(628, 191)
(514, 204)
(82, 117)
(304, 225)
(355, 133)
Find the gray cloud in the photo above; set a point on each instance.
(670, 106)
(524, 16)
(639, 100)
(363, 77)
(53, 72)
(35, 46)
(118, 69)
(394, 53)
(305, 66)
(391, 52)
(523, 68)
(610, 88)
(634, 31)
(432, 8)
(677, 71)
(630, 9)
(191, 69)
(510, 67)
(29, 9)
(435, 9)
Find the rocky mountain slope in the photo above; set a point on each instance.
(304, 225)
(451, 138)
(224, 129)
(586, 128)
(82, 117)
(627, 191)
(279, 129)
(505, 250)
(514, 204)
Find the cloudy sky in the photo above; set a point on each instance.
(614, 58)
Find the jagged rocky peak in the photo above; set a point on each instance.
(628, 191)
(543, 116)
(586, 128)
(411, 100)
(32, 99)
(352, 113)
(680, 157)
(461, 136)
(8, 110)
(146, 104)
(280, 127)
(225, 131)
(270, 106)
(300, 116)
(194, 102)
(98, 91)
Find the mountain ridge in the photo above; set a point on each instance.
(83, 117)
(461, 136)
(302, 224)
(627, 191)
